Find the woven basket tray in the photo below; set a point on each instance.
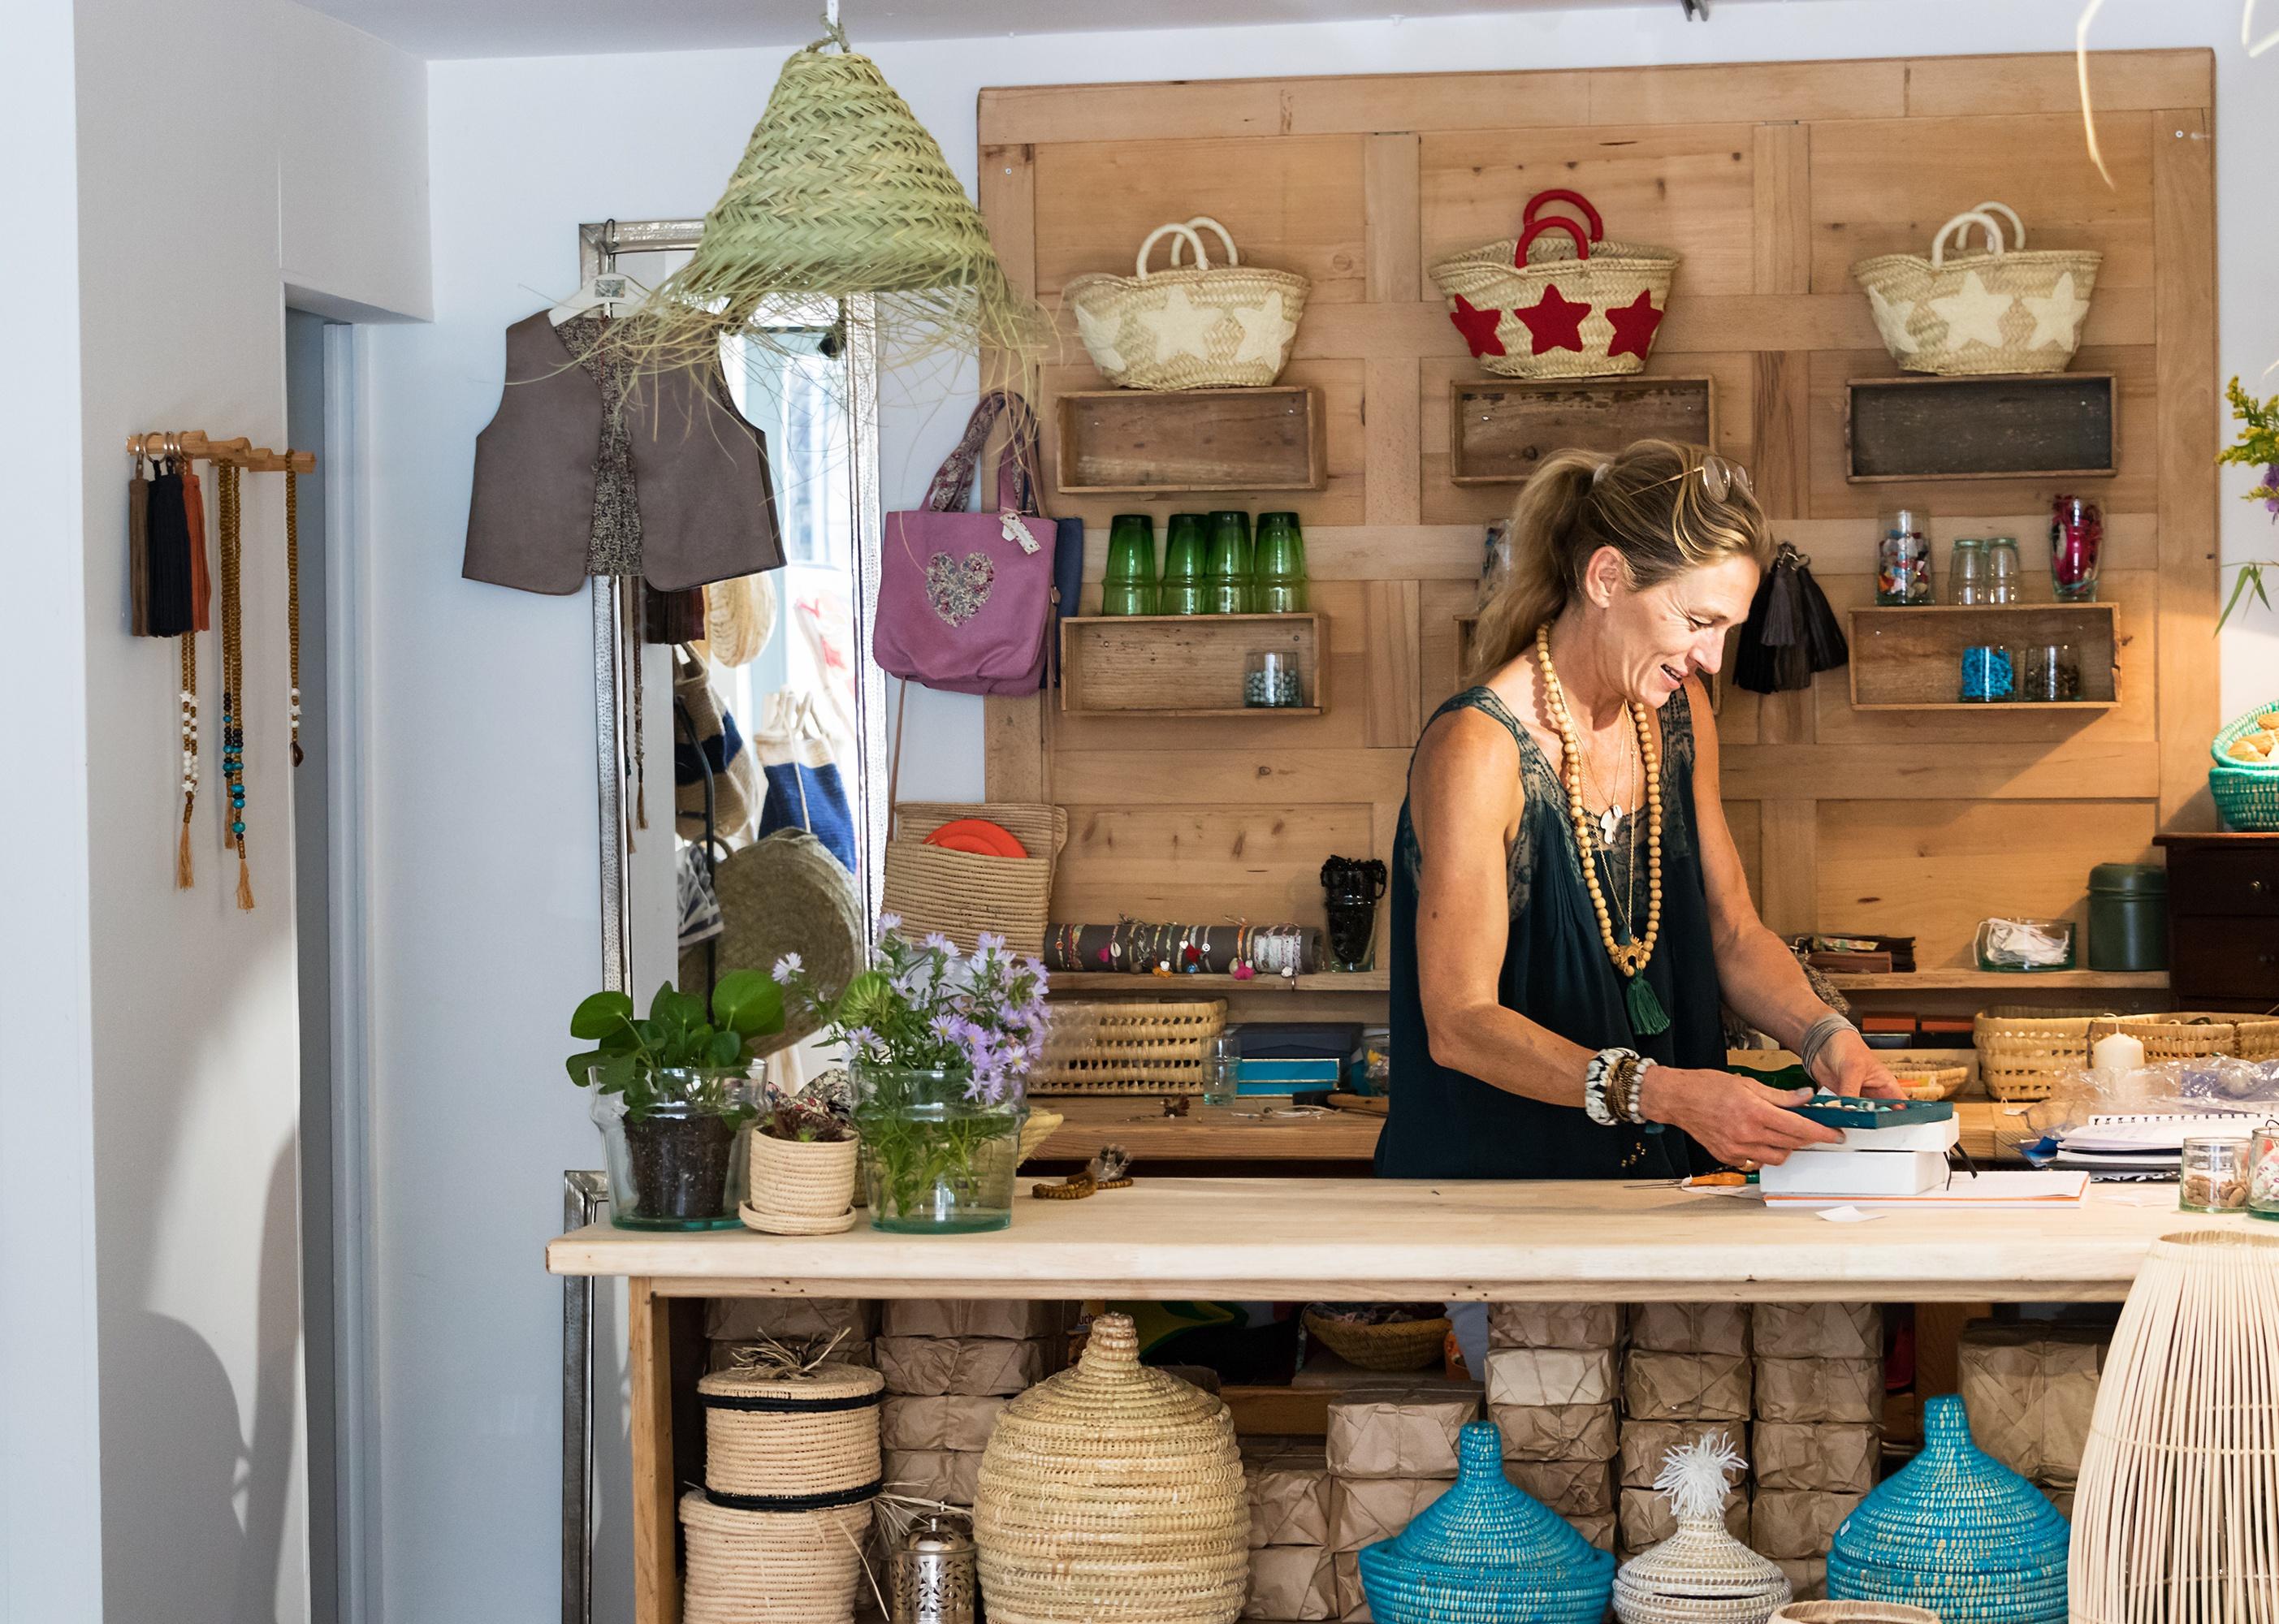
(1407, 1345)
(1127, 1047)
(1931, 1082)
(961, 893)
(2263, 757)
(1228, 328)
(2001, 310)
(2022, 1052)
(2186, 1034)
(1508, 298)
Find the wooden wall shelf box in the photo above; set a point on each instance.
(2003, 426)
(1911, 659)
(1173, 442)
(1183, 665)
(1170, 986)
(1500, 429)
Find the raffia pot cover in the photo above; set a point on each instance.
(772, 1567)
(1112, 1494)
(785, 1435)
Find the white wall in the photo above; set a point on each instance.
(485, 928)
(203, 159)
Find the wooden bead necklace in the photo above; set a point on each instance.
(1628, 956)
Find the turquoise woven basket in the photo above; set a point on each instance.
(2233, 730)
(1486, 1553)
(2246, 798)
(1957, 1532)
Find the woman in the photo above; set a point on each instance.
(1567, 907)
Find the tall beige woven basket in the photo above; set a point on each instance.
(784, 1433)
(1112, 1494)
(2004, 309)
(1209, 327)
(961, 893)
(2176, 1515)
(1540, 306)
(770, 1567)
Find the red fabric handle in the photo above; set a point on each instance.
(1561, 195)
(1552, 223)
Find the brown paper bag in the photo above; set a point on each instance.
(1289, 1493)
(1291, 1582)
(789, 1319)
(1599, 1529)
(1690, 1327)
(1646, 1443)
(931, 1364)
(1808, 1578)
(1819, 1330)
(1831, 1458)
(1820, 1391)
(1015, 1320)
(951, 1421)
(1398, 1431)
(1353, 1602)
(1571, 1488)
(1365, 1510)
(1645, 1518)
(1551, 1376)
(944, 1475)
(1793, 1525)
(2062, 1499)
(2029, 1389)
(1685, 1386)
(724, 1355)
(1554, 1325)
(1556, 1431)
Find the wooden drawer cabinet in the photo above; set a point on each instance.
(2223, 920)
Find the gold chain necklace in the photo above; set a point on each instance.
(1628, 957)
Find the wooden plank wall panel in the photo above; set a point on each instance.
(1772, 178)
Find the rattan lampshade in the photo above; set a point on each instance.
(1112, 1494)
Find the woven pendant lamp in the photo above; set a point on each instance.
(1700, 1574)
(842, 192)
(1112, 1494)
(2176, 1517)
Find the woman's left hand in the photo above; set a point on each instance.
(1848, 1066)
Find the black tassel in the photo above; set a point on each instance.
(1823, 633)
(173, 609)
(1753, 662)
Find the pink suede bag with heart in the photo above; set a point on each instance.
(965, 599)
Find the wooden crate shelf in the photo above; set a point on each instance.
(2022, 983)
(1115, 442)
(2003, 426)
(1500, 429)
(1171, 986)
(1911, 659)
(1185, 665)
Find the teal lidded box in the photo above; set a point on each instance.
(1486, 1553)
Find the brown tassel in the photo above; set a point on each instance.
(244, 885)
(184, 877)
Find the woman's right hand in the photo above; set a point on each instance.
(1734, 1118)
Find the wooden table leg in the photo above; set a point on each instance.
(657, 1577)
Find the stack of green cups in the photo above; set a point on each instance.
(1129, 587)
(1229, 583)
(1185, 555)
(1277, 582)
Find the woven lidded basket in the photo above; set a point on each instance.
(963, 894)
(1931, 1082)
(2185, 1034)
(1112, 1494)
(1127, 1047)
(1536, 306)
(1228, 326)
(2024, 1052)
(790, 1438)
(1700, 1574)
(801, 1189)
(1403, 1345)
(770, 1567)
(2004, 309)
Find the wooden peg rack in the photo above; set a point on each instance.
(194, 445)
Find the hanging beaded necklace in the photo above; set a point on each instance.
(1629, 954)
(233, 677)
(293, 597)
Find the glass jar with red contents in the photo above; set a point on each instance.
(2076, 540)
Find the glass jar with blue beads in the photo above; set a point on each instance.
(1989, 674)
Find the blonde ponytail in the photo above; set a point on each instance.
(1666, 508)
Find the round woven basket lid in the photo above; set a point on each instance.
(1485, 1531)
(827, 1386)
(786, 892)
(1954, 1511)
(1701, 1562)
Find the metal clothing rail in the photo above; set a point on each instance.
(197, 446)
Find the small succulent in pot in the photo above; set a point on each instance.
(675, 1091)
(805, 1154)
(820, 1113)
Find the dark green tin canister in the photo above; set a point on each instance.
(2128, 916)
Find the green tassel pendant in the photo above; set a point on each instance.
(1645, 1013)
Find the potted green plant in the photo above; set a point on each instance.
(804, 1155)
(940, 1043)
(673, 1092)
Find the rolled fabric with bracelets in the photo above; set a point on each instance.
(1817, 1038)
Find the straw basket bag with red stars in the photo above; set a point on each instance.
(1548, 305)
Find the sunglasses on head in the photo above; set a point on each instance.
(1720, 478)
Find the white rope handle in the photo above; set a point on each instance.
(1968, 217)
(1157, 236)
(2017, 225)
(1232, 257)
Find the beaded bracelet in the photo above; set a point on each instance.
(1595, 1105)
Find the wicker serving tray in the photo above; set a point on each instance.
(1127, 1047)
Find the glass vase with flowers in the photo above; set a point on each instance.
(940, 1043)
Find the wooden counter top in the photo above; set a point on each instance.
(1250, 1239)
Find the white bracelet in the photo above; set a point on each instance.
(1595, 1086)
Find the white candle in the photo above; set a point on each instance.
(2117, 1051)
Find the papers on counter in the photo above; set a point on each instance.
(1999, 1188)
